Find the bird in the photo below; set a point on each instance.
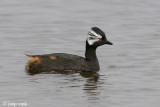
(68, 62)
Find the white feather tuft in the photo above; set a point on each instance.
(94, 38)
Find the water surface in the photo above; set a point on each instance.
(130, 71)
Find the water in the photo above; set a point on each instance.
(130, 71)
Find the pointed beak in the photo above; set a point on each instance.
(108, 42)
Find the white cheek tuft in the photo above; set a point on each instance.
(91, 42)
(95, 37)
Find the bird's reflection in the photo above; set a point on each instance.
(90, 87)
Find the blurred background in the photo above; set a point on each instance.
(130, 71)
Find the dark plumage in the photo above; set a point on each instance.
(69, 62)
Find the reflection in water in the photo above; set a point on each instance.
(91, 85)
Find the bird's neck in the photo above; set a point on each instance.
(90, 53)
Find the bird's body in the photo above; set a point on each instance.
(69, 62)
(60, 62)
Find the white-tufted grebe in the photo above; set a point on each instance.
(69, 62)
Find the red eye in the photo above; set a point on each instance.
(100, 38)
